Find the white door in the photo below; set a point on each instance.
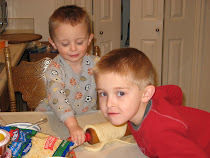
(146, 30)
(107, 24)
(200, 79)
(179, 29)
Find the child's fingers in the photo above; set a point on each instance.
(77, 137)
(80, 138)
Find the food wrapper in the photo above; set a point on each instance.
(32, 144)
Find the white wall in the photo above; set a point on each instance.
(37, 10)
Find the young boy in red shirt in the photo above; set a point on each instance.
(161, 126)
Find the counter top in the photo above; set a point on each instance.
(16, 52)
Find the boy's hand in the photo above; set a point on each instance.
(77, 135)
(76, 132)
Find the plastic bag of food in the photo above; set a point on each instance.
(20, 143)
(47, 146)
(32, 144)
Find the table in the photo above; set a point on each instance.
(56, 128)
(17, 38)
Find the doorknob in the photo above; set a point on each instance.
(101, 32)
(157, 30)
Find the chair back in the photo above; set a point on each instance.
(29, 79)
(96, 51)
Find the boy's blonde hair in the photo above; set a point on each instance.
(130, 63)
(70, 14)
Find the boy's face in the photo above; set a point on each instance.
(119, 99)
(71, 42)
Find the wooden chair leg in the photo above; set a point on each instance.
(9, 80)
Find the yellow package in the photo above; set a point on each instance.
(44, 145)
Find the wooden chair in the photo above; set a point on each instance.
(29, 79)
(97, 51)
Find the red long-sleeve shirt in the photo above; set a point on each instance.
(170, 130)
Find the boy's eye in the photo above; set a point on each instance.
(102, 94)
(64, 44)
(80, 42)
(120, 93)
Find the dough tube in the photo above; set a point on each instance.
(106, 133)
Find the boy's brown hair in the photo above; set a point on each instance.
(130, 63)
(70, 14)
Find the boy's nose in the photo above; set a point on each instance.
(73, 47)
(110, 102)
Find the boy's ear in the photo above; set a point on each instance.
(52, 43)
(148, 93)
(90, 38)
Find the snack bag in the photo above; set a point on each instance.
(20, 143)
(32, 144)
(44, 145)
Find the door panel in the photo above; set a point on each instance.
(200, 79)
(178, 44)
(146, 29)
(107, 24)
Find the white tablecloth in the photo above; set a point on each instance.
(55, 128)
